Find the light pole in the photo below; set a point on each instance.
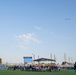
(65, 57)
(33, 57)
(55, 58)
(51, 57)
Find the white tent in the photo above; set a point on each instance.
(65, 65)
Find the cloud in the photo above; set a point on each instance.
(38, 28)
(23, 41)
(27, 37)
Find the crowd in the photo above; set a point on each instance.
(35, 68)
(41, 68)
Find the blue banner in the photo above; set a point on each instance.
(2, 67)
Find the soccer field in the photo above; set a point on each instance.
(11, 72)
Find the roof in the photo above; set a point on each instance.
(44, 59)
(27, 57)
(66, 65)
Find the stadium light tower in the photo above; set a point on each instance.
(65, 57)
(71, 60)
(54, 58)
(33, 57)
(51, 57)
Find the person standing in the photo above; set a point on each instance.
(75, 66)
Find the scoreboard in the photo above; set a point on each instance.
(27, 59)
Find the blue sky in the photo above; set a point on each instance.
(37, 27)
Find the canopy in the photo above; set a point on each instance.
(65, 65)
(43, 59)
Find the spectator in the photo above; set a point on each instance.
(75, 66)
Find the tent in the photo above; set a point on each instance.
(65, 65)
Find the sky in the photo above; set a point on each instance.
(37, 27)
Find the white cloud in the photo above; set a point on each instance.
(27, 37)
(38, 28)
(26, 40)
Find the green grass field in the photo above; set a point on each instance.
(11, 72)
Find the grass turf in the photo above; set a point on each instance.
(11, 72)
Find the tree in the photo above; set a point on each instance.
(0, 61)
